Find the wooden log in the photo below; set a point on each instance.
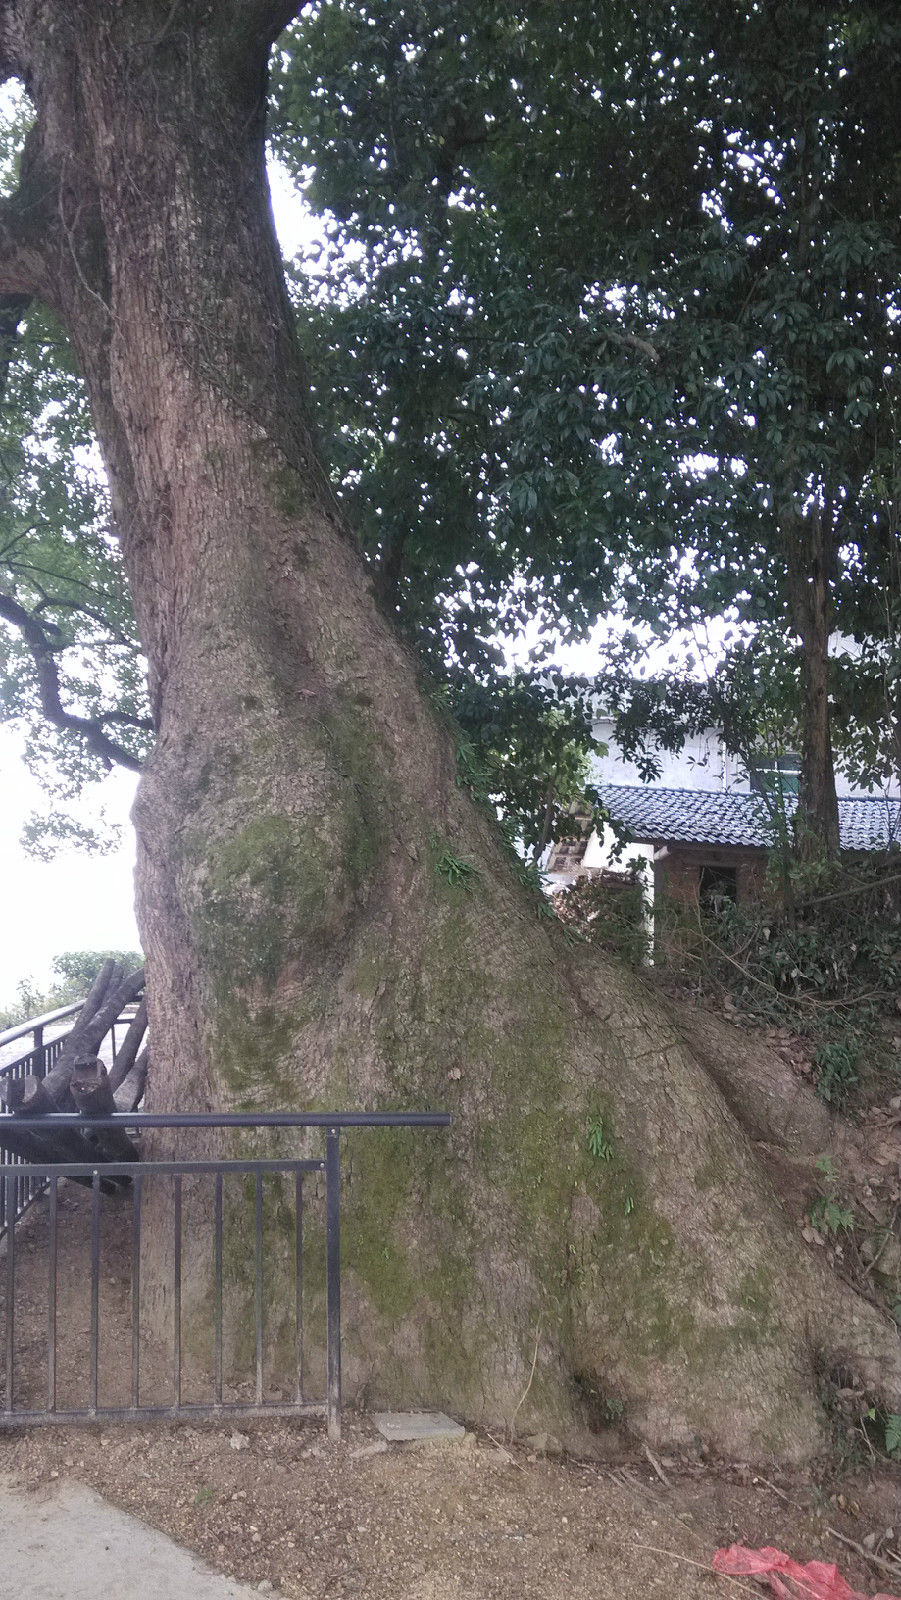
(14, 1090)
(95, 997)
(32, 1099)
(11, 1091)
(115, 1002)
(61, 1144)
(87, 1038)
(19, 1094)
(22, 1142)
(31, 1147)
(130, 1092)
(97, 992)
(127, 1053)
(93, 1095)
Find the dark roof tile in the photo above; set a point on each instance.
(693, 816)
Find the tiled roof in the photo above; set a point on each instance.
(692, 816)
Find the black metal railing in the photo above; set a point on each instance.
(36, 1061)
(36, 1026)
(20, 1401)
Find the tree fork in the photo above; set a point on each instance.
(307, 940)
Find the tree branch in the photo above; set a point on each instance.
(22, 266)
(29, 216)
(53, 602)
(274, 16)
(11, 52)
(90, 729)
(629, 341)
(261, 21)
(12, 309)
(129, 719)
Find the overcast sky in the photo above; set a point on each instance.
(75, 902)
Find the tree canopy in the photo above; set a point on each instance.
(635, 281)
(606, 323)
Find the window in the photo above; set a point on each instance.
(717, 886)
(777, 775)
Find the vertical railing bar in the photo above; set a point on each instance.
(218, 1291)
(95, 1286)
(333, 1280)
(51, 1298)
(137, 1202)
(10, 1288)
(176, 1286)
(258, 1298)
(298, 1284)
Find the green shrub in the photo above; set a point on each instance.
(609, 910)
(74, 971)
(821, 957)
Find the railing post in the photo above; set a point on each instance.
(333, 1279)
(10, 1289)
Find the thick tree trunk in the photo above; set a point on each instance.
(306, 942)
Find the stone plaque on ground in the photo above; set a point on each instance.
(418, 1427)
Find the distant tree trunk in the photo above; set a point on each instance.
(389, 571)
(808, 546)
(307, 943)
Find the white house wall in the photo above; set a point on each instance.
(703, 763)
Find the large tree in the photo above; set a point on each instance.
(326, 915)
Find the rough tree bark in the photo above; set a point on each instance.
(300, 812)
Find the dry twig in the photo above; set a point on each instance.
(657, 1467)
(893, 1568)
(528, 1385)
(703, 1566)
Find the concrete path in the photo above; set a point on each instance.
(71, 1545)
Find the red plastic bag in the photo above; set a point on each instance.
(817, 1580)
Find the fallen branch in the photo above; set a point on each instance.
(130, 1092)
(657, 1467)
(79, 1081)
(127, 1053)
(93, 1095)
(893, 1568)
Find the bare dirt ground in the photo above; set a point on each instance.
(273, 1504)
(464, 1522)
